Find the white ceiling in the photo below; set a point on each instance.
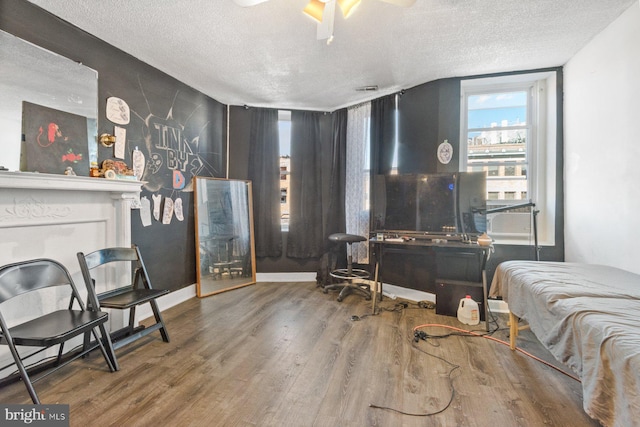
(268, 55)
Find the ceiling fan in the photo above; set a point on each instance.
(323, 11)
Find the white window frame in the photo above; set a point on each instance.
(541, 150)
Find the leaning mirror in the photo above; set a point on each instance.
(33, 76)
(224, 235)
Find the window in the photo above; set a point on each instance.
(508, 131)
(284, 133)
(357, 177)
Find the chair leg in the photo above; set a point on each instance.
(107, 348)
(158, 317)
(86, 342)
(350, 288)
(27, 382)
(132, 319)
(23, 372)
(60, 350)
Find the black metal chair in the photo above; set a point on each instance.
(349, 276)
(127, 296)
(55, 326)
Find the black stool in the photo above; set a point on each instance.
(347, 275)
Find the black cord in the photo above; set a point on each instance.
(427, 414)
(422, 335)
(396, 307)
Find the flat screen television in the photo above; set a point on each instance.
(471, 207)
(430, 203)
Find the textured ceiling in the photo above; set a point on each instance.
(268, 55)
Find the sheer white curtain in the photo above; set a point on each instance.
(241, 226)
(357, 178)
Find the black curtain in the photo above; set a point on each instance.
(264, 172)
(305, 239)
(335, 214)
(382, 135)
(382, 146)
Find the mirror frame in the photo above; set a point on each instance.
(40, 76)
(199, 183)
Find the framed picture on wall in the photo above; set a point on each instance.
(53, 141)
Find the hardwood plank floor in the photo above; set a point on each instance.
(285, 354)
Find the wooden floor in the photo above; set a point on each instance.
(277, 354)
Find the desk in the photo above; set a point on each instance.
(438, 248)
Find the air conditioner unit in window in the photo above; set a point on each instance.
(509, 224)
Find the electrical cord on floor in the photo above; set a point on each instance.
(418, 335)
(399, 306)
(396, 307)
(451, 386)
(463, 332)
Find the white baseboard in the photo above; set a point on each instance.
(393, 292)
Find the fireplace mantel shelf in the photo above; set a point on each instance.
(32, 180)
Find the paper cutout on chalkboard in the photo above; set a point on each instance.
(145, 211)
(118, 111)
(157, 199)
(137, 158)
(177, 209)
(121, 142)
(54, 140)
(168, 211)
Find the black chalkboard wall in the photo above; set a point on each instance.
(176, 127)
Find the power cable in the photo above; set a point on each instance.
(451, 387)
(489, 337)
(422, 335)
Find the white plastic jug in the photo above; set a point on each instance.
(468, 312)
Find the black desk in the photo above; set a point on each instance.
(441, 248)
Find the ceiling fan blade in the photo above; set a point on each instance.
(403, 3)
(247, 3)
(315, 10)
(325, 27)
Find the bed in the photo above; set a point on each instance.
(588, 316)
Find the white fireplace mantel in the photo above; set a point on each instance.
(41, 181)
(46, 215)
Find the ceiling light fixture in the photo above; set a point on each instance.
(316, 8)
(323, 12)
(348, 6)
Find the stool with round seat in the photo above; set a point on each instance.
(347, 275)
